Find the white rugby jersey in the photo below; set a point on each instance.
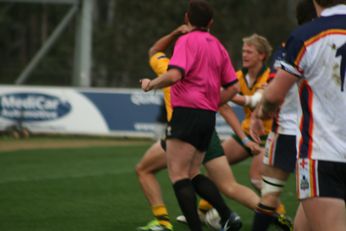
(285, 120)
(316, 53)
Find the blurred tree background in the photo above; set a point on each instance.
(123, 31)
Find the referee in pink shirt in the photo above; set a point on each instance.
(199, 67)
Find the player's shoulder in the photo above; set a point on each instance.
(186, 37)
(320, 26)
(159, 55)
(195, 36)
(241, 73)
(278, 56)
(264, 74)
(158, 58)
(159, 62)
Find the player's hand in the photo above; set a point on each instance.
(256, 129)
(254, 147)
(262, 114)
(145, 84)
(183, 29)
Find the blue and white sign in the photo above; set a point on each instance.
(115, 112)
(33, 107)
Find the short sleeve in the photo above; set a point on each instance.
(181, 55)
(295, 51)
(278, 56)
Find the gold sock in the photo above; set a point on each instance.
(161, 214)
(204, 206)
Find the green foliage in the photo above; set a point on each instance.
(123, 31)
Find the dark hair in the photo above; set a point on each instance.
(328, 3)
(305, 11)
(199, 13)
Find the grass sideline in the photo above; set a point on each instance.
(63, 141)
(89, 189)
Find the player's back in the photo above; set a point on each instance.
(320, 59)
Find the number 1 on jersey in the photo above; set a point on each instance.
(341, 51)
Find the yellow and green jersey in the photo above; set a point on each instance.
(159, 63)
(245, 89)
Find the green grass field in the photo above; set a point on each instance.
(88, 189)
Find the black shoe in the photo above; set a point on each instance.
(283, 222)
(232, 224)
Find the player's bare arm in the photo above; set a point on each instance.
(169, 78)
(164, 42)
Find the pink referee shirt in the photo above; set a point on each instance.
(206, 66)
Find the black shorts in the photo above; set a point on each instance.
(214, 150)
(281, 152)
(194, 126)
(319, 178)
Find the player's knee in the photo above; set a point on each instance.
(229, 189)
(138, 169)
(141, 170)
(271, 185)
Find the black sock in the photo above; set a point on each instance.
(208, 191)
(264, 216)
(186, 197)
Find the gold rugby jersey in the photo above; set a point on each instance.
(261, 81)
(159, 63)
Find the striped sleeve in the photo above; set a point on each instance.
(295, 51)
(278, 56)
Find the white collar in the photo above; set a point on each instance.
(334, 10)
